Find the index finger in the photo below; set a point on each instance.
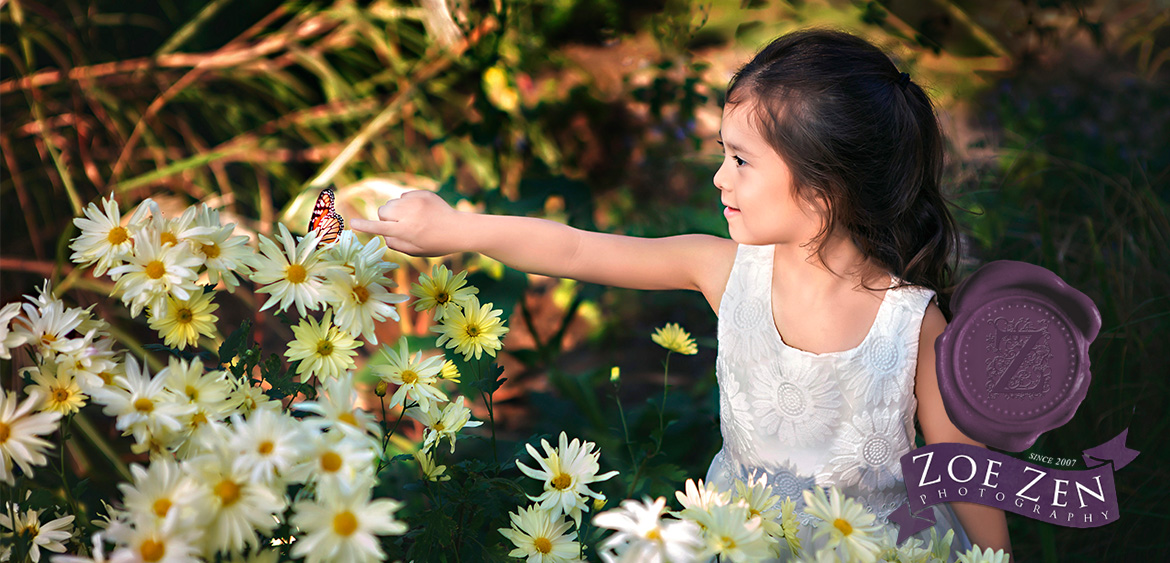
(384, 228)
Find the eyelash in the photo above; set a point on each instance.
(738, 161)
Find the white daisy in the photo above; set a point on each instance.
(142, 404)
(103, 241)
(88, 364)
(226, 256)
(9, 339)
(443, 422)
(361, 300)
(192, 384)
(343, 526)
(267, 444)
(160, 491)
(162, 541)
(567, 472)
(758, 498)
(643, 536)
(845, 522)
(20, 434)
(239, 507)
(154, 271)
(417, 379)
(733, 536)
(350, 251)
(541, 536)
(697, 500)
(339, 461)
(339, 406)
(974, 555)
(292, 272)
(50, 535)
(48, 323)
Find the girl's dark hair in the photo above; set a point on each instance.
(861, 138)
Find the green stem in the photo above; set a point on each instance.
(625, 434)
(662, 406)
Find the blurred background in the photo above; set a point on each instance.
(601, 114)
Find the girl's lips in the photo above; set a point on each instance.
(730, 211)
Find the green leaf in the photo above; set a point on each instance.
(234, 344)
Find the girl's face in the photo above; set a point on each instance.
(756, 189)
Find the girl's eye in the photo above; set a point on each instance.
(738, 161)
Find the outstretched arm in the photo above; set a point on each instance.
(986, 526)
(420, 223)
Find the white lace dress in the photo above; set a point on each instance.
(841, 418)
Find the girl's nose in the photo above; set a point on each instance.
(721, 176)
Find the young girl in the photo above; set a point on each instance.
(826, 292)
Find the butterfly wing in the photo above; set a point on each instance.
(325, 217)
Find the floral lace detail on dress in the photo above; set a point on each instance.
(793, 403)
(868, 451)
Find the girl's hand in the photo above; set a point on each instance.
(418, 223)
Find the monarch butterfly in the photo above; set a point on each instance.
(326, 218)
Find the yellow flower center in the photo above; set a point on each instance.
(542, 545)
(198, 419)
(191, 392)
(142, 404)
(161, 507)
(107, 377)
(5, 432)
(48, 339)
(361, 294)
(344, 523)
(152, 550)
(562, 481)
(331, 462)
(348, 418)
(442, 297)
(439, 426)
(472, 331)
(324, 348)
(266, 447)
(296, 273)
(654, 535)
(211, 250)
(409, 376)
(184, 315)
(61, 394)
(117, 235)
(228, 492)
(168, 238)
(843, 525)
(728, 543)
(155, 269)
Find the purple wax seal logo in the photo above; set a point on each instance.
(1014, 361)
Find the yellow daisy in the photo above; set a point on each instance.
(324, 350)
(441, 292)
(472, 331)
(674, 338)
(449, 372)
(182, 321)
(59, 387)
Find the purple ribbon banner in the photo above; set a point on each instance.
(949, 472)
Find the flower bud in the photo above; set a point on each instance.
(615, 374)
(380, 389)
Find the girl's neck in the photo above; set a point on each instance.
(844, 266)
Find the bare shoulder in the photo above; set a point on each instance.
(714, 258)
